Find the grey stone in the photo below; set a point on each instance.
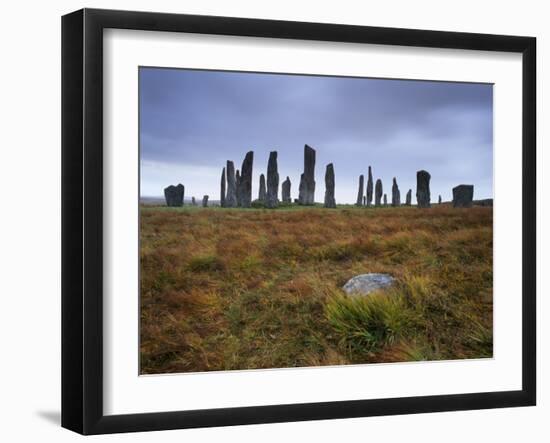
(385, 200)
(285, 188)
(395, 194)
(306, 192)
(238, 187)
(272, 200)
(359, 201)
(439, 199)
(369, 188)
(174, 195)
(463, 196)
(193, 201)
(364, 200)
(408, 198)
(330, 202)
(205, 201)
(378, 192)
(364, 284)
(423, 189)
(231, 197)
(262, 195)
(222, 190)
(246, 180)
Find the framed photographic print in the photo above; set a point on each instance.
(269, 221)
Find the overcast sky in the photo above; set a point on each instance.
(192, 121)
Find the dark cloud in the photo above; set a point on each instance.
(199, 119)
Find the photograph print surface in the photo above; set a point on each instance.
(294, 220)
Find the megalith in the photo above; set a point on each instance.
(378, 192)
(369, 187)
(286, 191)
(395, 194)
(330, 202)
(359, 201)
(306, 192)
(222, 189)
(246, 180)
(263, 193)
(231, 197)
(408, 198)
(238, 188)
(174, 195)
(463, 196)
(205, 201)
(423, 189)
(272, 199)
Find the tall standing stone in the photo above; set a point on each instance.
(395, 194)
(439, 199)
(231, 197)
(306, 194)
(369, 188)
(385, 200)
(286, 191)
(378, 192)
(330, 202)
(246, 180)
(408, 198)
(463, 196)
(193, 201)
(364, 200)
(238, 188)
(205, 201)
(272, 200)
(174, 195)
(359, 201)
(262, 195)
(222, 189)
(423, 189)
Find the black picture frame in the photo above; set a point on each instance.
(82, 216)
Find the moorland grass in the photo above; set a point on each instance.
(229, 289)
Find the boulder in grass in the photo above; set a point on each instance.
(364, 284)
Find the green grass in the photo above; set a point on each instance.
(226, 289)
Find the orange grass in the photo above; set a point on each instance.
(226, 289)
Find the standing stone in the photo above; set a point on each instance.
(377, 192)
(272, 200)
(238, 188)
(262, 195)
(369, 188)
(286, 191)
(174, 195)
(330, 202)
(385, 200)
(463, 196)
(359, 201)
(246, 180)
(222, 190)
(395, 194)
(364, 200)
(205, 201)
(408, 198)
(423, 189)
(231, 197)
(307, 179)
(439, 199)
(193, 201)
